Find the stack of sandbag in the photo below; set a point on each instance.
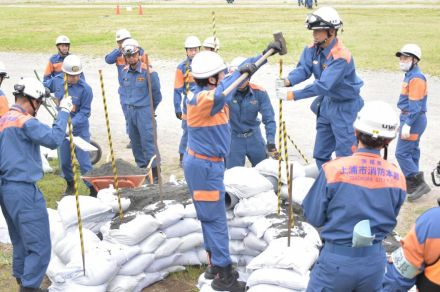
(109, 197)
(300, 183)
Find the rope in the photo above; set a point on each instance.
(75, 177)
(110, 143)
(280, 144)
(299, 150)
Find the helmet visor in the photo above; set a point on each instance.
(130, 50)
(314, 21)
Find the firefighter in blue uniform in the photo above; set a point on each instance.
(4, 104)
(82, 97)
(137, 100)
(336, 86)
(184, 81)
(247, 140)
(22, 203)
(355, 202)
(413, 105)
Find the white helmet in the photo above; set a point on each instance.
(410, 50)
(206, 64)
(192, 42)
(62, 39)
(378, 119)
(122, 34)
(210, 43)
(324, 18)
(30, 87)
(235, 63)
(3, 69)
(72, 65)
(130, 47)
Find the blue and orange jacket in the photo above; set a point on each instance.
(244, 109)
(180, 82)
(135, 86)
(82, 97)
(20, 138)
(53, 68)
(354, 188)
(209, 132)
(421, 248)
(4, 105)
(334, 72)
(116, 57)
(414, 95)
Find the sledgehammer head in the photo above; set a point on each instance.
(278, 37)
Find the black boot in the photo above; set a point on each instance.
(227, 281)
(70, 189)
(28, 289)
(420, 187)
(410, 184)
(93, 192)
(155, 175)
(212, 271)
(180, 160)
(18, 281)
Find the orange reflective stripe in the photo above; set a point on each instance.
(120, 61)
(4, 105)
(199, 115)
(417, 89)
(49, 69)
(178, 80)
(290, 95)
(339, 51)
(412, 248)
(57, 67)
(256, 87)
(405, 89)
(14, 119)
(412, 137)
(207, 196)
(204, 157)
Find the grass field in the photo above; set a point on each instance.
(373, 35)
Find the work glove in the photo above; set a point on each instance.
(66, 104)
(272, 151)
(283, 93)
(276, 46)
(179, 116)
(249, 68)
(405, 131)
(280, 82)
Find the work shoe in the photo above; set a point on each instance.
(18, 281)
(70, 189)
(181, 160)
(29, 289)
(419, 187)
(226, 280)
(93, 192)
(411, 184)
(128, 145)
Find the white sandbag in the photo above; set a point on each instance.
(203, 256)
(121, 253)
(189, 258)
(132, 232)
(271, 288)
(241, 260)
(56, 226)
(71, 286)
(278, 277)
(51, 154)
(236, 247)
(242, 221)
(251, 241)
(191, 241)
(163, 263)
(271, 234)
(69, 246)
(260, 226)
(312, 235)
(270, 167)
(150, 278)
(55, 265)
(300, 188)
(245, 182)
(300, 256)
(137, 265)
(4, 232)
(190, 211)
(108, 196)
(183, 227)
(168, 247)
(311, 170)
(261, 204)
(125, 283)
(152, 242)
(93, 213)
(45, 164)
(238, 233)
(170, 214)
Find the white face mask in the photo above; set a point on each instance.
(405, 66)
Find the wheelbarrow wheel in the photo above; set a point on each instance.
(96, 155)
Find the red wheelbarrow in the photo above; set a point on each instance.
(125, 181)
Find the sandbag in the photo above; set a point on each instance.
(174, 269)
(69, 246)
(108, 196)
(190, 211)
(260, 226)
(312, 235)
(168, 247)
(258, 205)
(71, 286)
(191, 241)
(203, 256)
(244, 222)
(245, 182)
(121, 253)
(45, 164)
(183, 227)
(137, 265)
(270, 167)
(170, 214)
(122, 283)
(300, 188)
(163, 263)
(55, 265)
(152, 242)
(56, 226)
(150, 278)
(4, 232)
(238, 233)
(271, 288)
(278, 277)
(251, 241)
(241, 260)
(189, 258)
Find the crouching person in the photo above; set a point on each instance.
(22, 203)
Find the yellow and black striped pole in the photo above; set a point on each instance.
(75, 178)
(290, 219)
(286, 155)
(280, 144)
(110, 143)
(214, 33)
(306, 160)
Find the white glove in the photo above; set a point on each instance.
(281, 93)
(66, 104)
(279, 82)
(405, 131)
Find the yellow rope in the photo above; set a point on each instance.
(110, 143)
(299, 150)
(280, 144)
(75, 177)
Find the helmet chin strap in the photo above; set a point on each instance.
(319, 44)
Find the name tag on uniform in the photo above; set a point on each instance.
(253, 102)
(140, 79)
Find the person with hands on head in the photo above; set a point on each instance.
(336, 86)
(413, 105)
(184, 82)
(211, 44)
(248, 102)
(21, 201)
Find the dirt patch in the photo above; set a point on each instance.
(123, 168)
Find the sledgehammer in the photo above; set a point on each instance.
(278, 37)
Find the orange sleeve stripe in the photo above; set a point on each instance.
(417, 89)
(290, 95)
(57, 67)
(200, 113)
(4, 105)
(340, 51)
(178, 80)
(412, 137)
(256, 87)
(432, 250)
(16, 120)
(49, 69)
(433, 273)
(412, 249)
(207, 196)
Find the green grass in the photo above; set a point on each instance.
(373, 35)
